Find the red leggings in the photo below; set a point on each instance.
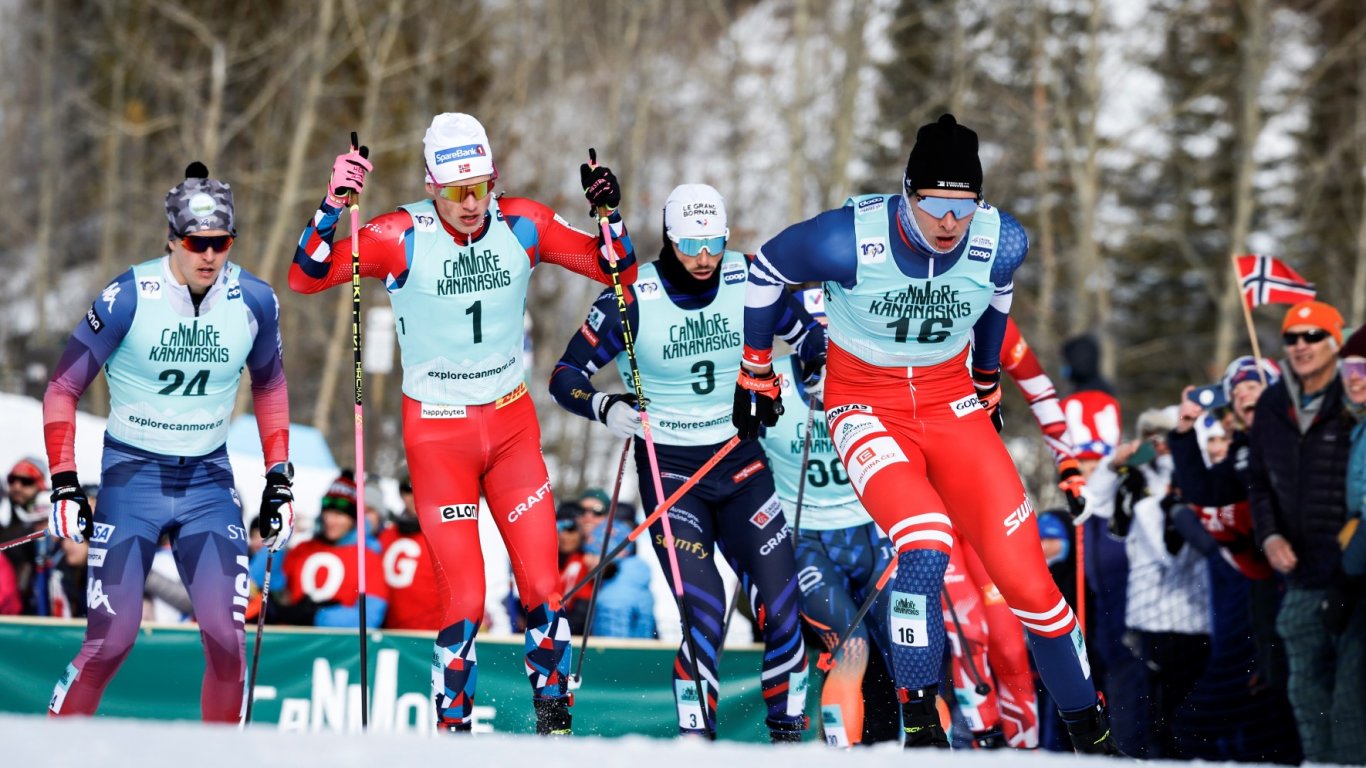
(926, 461)
(497, 451)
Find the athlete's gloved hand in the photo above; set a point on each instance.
(276, 521)
(988, 384)
(600, 186)
(348, 173)
(1072, 485)
(71, 516)
(618, 412)
(813, 378)
(758, 402)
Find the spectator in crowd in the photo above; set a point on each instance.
(1300, 442)
(1353, 536)
(574, 564)
(67, 571)
(321, 574)
(415, 599)
(376, 510)
(21, 514)
(1167, 603)
(625, 607)
(593, 505)
(256, 572)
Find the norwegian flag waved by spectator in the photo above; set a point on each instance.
(1268, 280)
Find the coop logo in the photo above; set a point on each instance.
(979, 254)
(531, 501)
(1019, 516)
(872, 250)
(444, 156)
(870, 205)
(733, 276)
(453, 513)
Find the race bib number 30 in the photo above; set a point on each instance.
(908, 620)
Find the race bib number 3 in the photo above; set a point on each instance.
(908, 620)
(689, 708)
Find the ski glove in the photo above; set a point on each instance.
(71, 516)
(348, 175)
(988, 384)
(1072, 485)
(813, 377)
(276, 521)
(601, 188)
(618, 412)
(758, 402)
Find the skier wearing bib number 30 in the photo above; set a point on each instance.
(910, 281)
(456, 265)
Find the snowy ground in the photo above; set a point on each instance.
(34, 742)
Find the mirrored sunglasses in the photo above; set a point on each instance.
(1354, 368)
(1309, 337)
(202, 243)
(23, 480)
(692, 246)
(457, 193)
(939, 207)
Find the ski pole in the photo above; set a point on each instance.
(979, 683)
(826, 661)
(354, 199)
(629, 343)
(653, 516)
(576, 680)
(806, 454)
(260, 630)
(23, 540)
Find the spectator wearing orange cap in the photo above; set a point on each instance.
(1300, 444)
(20, 514)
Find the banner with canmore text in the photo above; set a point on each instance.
(309, 681)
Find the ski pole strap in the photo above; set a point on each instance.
(655, 515)
(766, 384)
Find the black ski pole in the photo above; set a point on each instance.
(260, 630)
(980, 684)
(576, 680)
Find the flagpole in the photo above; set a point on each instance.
(1247, 317)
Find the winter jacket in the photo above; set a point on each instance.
(1296, 479)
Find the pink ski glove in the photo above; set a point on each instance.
(348, 175)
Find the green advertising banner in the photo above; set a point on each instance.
(309, 681)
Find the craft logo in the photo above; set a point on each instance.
(872, 250)
(774, 541)
(530, 502)
(457, 512)
(459, 153)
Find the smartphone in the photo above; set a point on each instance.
(1209, 397)
(1145, 454)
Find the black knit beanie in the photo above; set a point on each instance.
(944, 157)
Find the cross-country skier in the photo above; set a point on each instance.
(840, 551)
(685, 313)
(910, 278)
(173, 335)
(456, 265)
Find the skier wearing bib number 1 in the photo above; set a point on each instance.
(456, 265)
(915, 283)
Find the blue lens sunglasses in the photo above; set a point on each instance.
(691, 246)
(939, 207)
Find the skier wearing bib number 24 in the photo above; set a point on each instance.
(915, 284)
(456, 265)
(172, 336)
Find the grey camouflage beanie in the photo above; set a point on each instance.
(199, 204)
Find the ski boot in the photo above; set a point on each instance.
(920, 718)
(456, 729)
(991, 738)
(786, 731)
(1090, 731)
(552, 716)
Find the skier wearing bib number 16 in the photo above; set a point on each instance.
(456, 265)
(915, 283)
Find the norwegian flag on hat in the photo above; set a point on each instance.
(1268, 280)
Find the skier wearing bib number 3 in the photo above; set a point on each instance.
(456, 265)
(910, 281)
(686, 313)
